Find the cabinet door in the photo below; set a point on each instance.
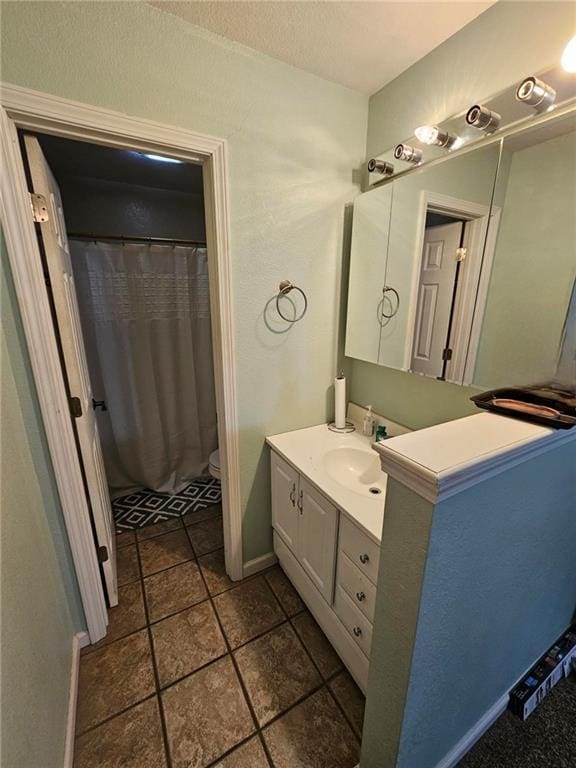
(284, 497)
(317, 535)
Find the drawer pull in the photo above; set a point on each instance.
(293, 494)
(360, 596)
(364, 558)
(357, 631)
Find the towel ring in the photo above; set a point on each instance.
(394, 309)
(284, 289)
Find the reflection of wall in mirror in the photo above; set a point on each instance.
(469, 177)
(534, 265)
(367, 269)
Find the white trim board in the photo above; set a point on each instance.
(259, 564)
(80, 640)
(444, 460)
(476, 732)
(32, 110)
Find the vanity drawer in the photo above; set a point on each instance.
(355, 622)
(356, 585)
(364, 553)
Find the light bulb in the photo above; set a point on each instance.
(568, 59)
(536, 93)
(379, 166)
(427, 134)
(408, 154)
(432, 135)
(483, 118)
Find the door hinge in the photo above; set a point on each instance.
(447, 354)
(39, 208)
(75, 407)
(461, 254)
(102, 554)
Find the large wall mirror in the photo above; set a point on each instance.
(465, 270)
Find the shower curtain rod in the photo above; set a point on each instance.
(127, 238)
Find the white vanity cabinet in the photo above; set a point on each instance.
(307, 522)
(330, 560)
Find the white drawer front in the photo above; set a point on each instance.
(356, 585)
(355, 622)
(364, 553)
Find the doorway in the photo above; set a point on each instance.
(454, 254)
(36, 112)
(124, 254)
(442, 255)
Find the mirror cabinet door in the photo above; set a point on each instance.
(440, 217)
(526, 310)
(370, 227)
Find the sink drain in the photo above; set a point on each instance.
(375, 491)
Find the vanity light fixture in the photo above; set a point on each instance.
(380, 166)
(536, 93)
(408, 154)
(483, 118)
(568, 59)
(434, 136)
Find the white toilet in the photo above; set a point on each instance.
(214, 464)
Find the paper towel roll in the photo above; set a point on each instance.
(340, 402)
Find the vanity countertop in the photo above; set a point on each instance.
(310, 451)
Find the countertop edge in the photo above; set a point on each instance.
(366, 531)
(513, 446)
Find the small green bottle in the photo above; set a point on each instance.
(381, 433)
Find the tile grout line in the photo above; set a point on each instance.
(330, 678)
(163, 728)
(237, 670)
(288, 619)
(116, 714)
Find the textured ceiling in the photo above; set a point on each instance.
(362, 45)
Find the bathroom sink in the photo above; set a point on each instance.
(357, 470)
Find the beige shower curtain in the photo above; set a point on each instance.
(146, 319)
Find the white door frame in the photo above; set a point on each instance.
(33, 110)
(469, 311)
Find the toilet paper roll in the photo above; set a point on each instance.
(340, 402)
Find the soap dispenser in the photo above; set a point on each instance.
(368, 422)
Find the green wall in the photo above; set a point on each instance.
(534, 267)
(504, 44)
(293, 143)
(40, 604)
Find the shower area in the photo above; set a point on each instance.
(136, 237)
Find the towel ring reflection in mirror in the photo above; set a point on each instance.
(383, 316)
(284, 289)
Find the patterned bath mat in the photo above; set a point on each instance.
(148, 507)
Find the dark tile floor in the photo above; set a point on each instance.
(198, 671)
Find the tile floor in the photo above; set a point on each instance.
(197, 671)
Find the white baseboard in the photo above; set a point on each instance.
(79, 640)
(259, 564)
(478, 729)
